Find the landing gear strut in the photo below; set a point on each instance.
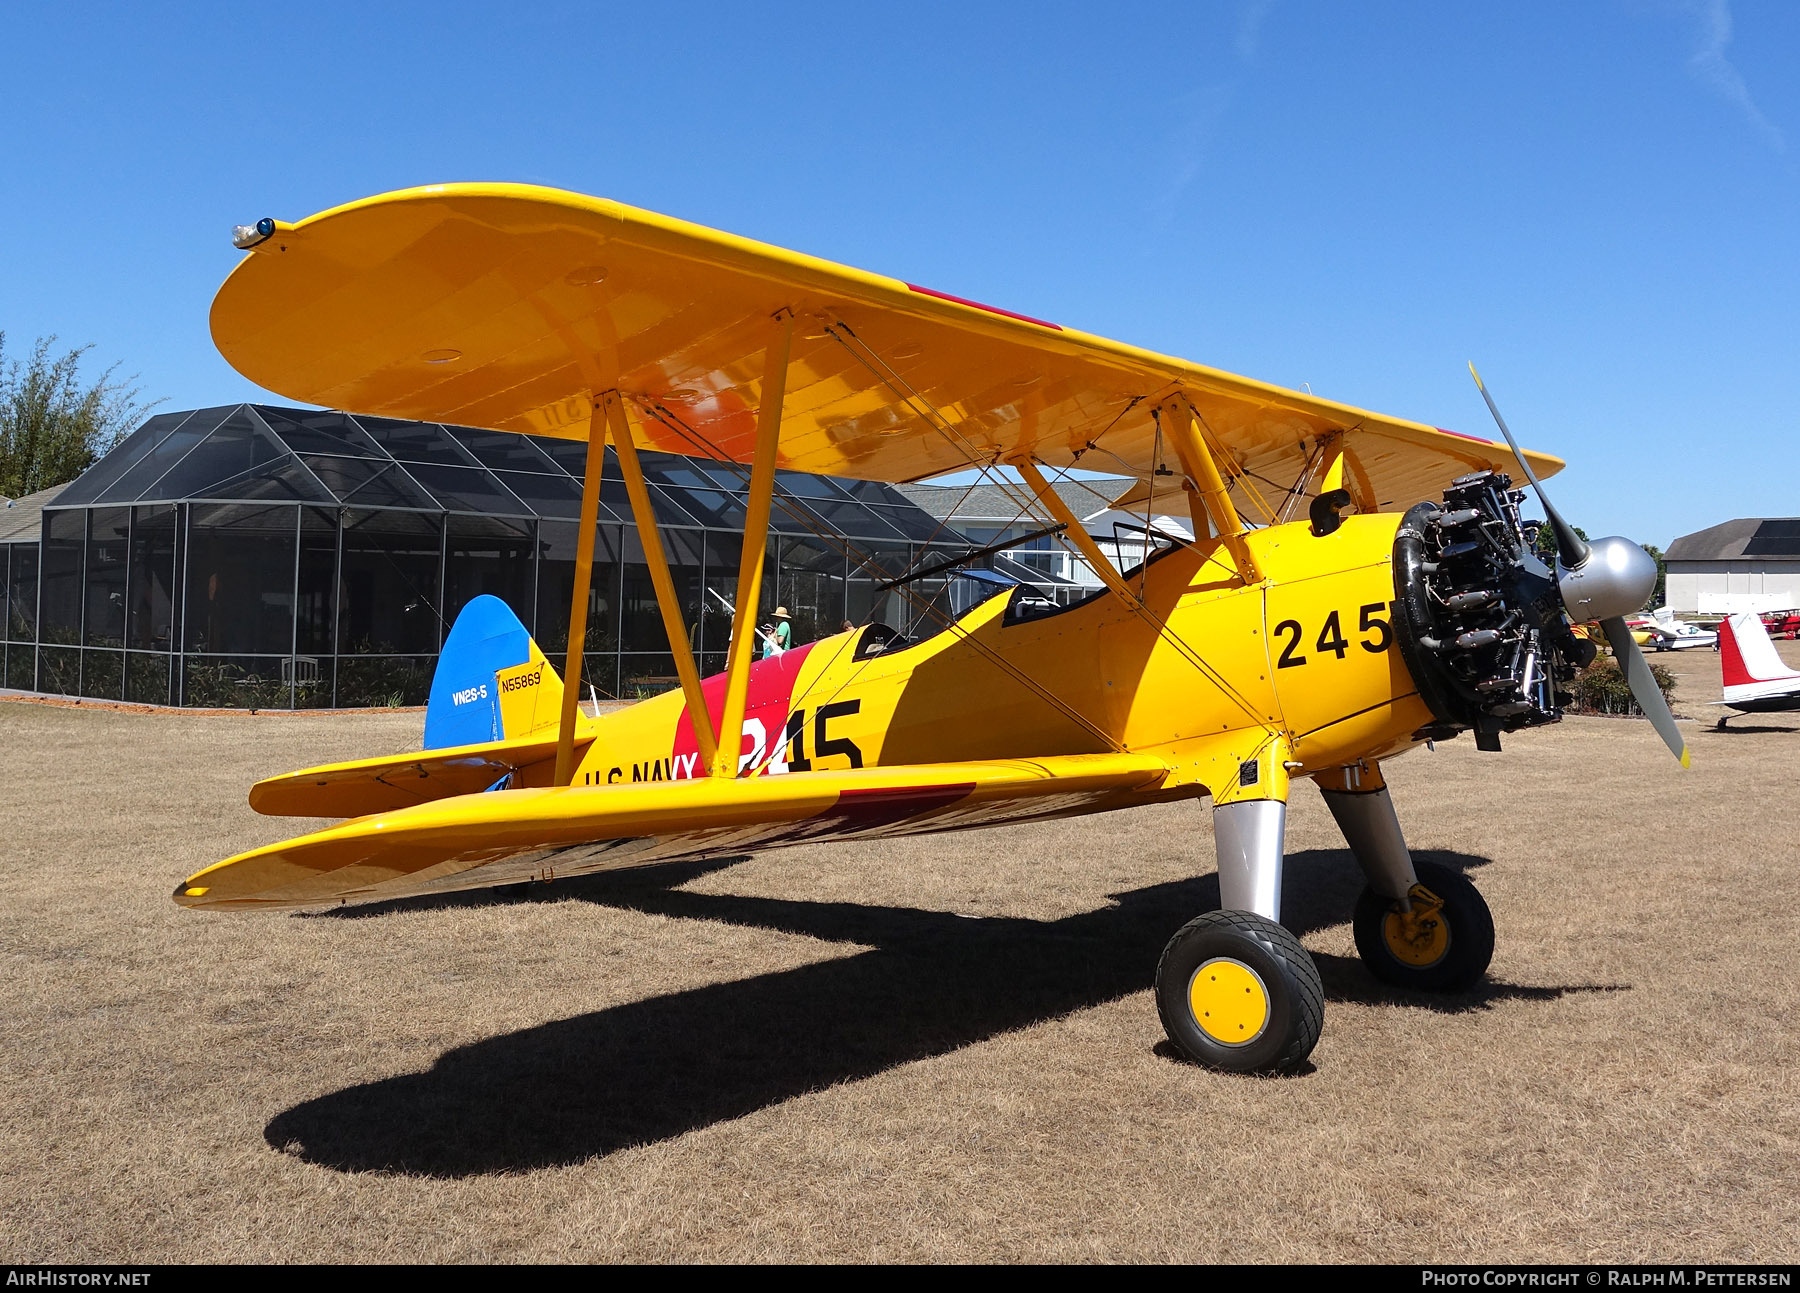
(1418, 925)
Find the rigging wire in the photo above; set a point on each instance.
(894, 382)
(884, 373)
(868, 565)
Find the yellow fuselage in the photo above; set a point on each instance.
(1307, 655)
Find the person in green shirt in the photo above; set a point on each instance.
(781, 637)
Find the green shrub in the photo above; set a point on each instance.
(1601, 688)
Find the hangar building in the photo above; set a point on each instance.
(262, 557)
(1750, 564)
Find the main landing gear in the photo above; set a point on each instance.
(1238, 992)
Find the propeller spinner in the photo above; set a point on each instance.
(1604, 580)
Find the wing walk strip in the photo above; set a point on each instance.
(581, 828)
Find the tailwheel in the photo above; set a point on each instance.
(1238, 992)
(1443, 944)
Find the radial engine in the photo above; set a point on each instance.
(1480, 619)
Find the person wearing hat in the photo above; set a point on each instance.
(781, 636)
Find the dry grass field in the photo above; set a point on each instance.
(941, 1048)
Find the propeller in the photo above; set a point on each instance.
(1604, 580)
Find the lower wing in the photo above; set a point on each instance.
(474, 841)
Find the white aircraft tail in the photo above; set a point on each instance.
(1749, 663)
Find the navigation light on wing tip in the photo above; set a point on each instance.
(246, 236)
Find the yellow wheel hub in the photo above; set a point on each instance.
(1229, 1001)
(1419, 937)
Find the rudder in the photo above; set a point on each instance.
(492, 682)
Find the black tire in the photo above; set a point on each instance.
(513, 892)
(1236, 942)
(1466, 923)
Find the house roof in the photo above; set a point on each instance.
(19, 517)
(1747, 536)
(261, 453)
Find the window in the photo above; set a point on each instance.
(489, 555)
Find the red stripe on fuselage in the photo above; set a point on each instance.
(771, 692)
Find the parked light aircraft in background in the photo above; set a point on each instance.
(1782, 624)
(1756, 679)
(1661, 631)
(1286, 640)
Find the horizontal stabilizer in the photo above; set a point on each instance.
(393, 781)
(476, 841)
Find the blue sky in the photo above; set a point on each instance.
(1599, 203)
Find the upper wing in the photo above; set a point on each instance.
(474, 841)
(507, 306)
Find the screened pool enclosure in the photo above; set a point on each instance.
(253, 556)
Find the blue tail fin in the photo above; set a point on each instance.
(484, 659)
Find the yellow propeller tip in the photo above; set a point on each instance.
(1475, 375)
(1684, 757)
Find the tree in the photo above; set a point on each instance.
(1544, 541)
(1660, 596)
(53, 425)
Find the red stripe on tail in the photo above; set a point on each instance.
(1730, 658)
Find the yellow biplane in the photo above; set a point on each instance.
(1357, 585)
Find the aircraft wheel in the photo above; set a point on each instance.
(1443, 945)
(513, 892)
(1238, 992)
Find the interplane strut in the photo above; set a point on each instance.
(724, 760)
(578, 599)
(1197, 460)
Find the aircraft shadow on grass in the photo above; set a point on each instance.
(650, 1070)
